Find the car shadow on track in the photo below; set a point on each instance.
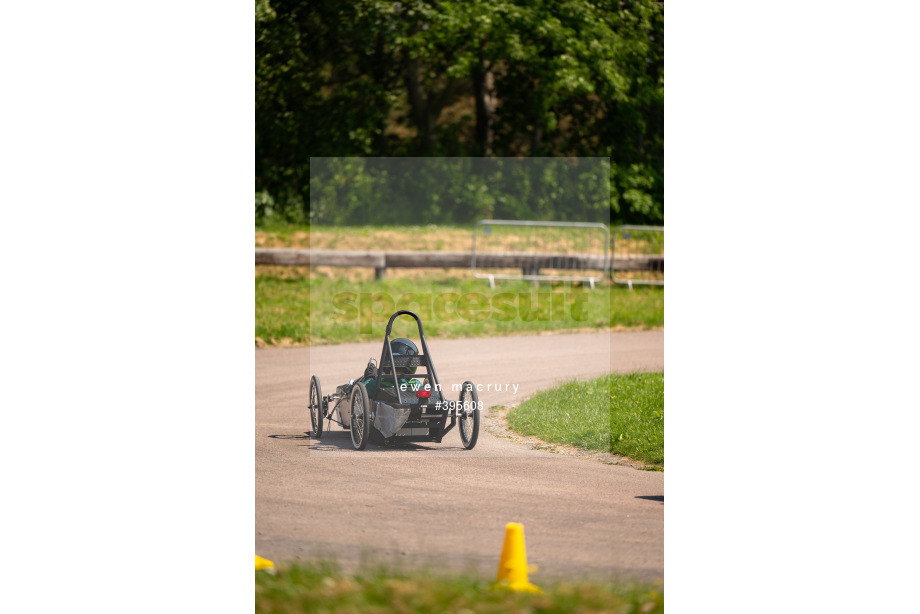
(341, 440)
(652, 497)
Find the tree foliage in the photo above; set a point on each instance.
(443, 78)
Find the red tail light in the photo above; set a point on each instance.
(423, 394)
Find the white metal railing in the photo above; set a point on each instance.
(530, 250)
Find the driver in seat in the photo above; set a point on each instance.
(401, 347)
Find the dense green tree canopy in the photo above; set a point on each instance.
(503, 78)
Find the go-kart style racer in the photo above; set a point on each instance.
(392, 402)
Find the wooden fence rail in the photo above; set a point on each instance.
(380, 260)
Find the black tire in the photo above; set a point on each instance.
(359, 417)
(316, 408)
(469, 415)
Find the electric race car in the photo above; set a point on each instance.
(393, 402)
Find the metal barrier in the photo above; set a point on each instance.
(638, 255)
(561, 251)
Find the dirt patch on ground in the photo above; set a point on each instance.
(299, 239)
(288, 342)
(412, 238)
(283, 342)
(495, 422)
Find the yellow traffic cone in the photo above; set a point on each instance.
(512, 567)
(264, 564)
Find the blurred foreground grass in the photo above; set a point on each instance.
(324, 588)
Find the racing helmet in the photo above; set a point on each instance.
(404, 347)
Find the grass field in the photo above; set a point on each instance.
(323, 588)
(621, 414)
(323, 305)
(342, 310)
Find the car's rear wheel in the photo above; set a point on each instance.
(316, 408)
(469, 409)
(360, 412)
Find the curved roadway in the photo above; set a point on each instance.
(439, 505)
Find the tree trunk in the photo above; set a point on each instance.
(484, 90)
(380, 72)
(421, 109)
(536, 137)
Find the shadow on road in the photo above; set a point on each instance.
(652, 497)
(341, 440)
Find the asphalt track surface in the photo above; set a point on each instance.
(438, 505)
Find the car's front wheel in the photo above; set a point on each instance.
(360, 417)
(316, 408)
(469, 415)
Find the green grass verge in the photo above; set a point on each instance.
(282, 308)
(622, 414)
(323, 588)
(345, 311)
